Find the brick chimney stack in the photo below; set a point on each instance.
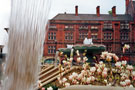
(127, 2)
(114, 11)
(98, 11)
(76, 10)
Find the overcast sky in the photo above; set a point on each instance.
(61, 6)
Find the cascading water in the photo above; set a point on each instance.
(26, 37)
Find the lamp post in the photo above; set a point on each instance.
(55, 57)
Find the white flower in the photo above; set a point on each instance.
(64, 80)
(129, 67)
(85, 58)
(133, 73)
(83, 79)
(65, 62)
(105, 81)
(88, 80)
(104, 74)
(78, 59)
(126, 46)
(118, 64)
(92, 78)
(67, 84)
(93, 69)
(101, 62)
(108, 58)
(83, 72)
(124, 63)
(104, 53)
(71, 59)
(50, 88)
(74, 75)
(131, 86)
(127, 81)
(102, 56)
(80, 76)
(105, 70)
(77, 52)
(99, 71)
(123, 84)
(70, 77)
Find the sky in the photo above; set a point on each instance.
(68, 6)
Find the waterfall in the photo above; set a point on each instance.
(26, 38)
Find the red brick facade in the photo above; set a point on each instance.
(111, 30)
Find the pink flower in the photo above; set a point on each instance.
(129, 67)
(124, 63)
(122, 78)
(127, 81)
(123, 84)
(104, 74)
(93, 69)
(116, 58)
(43, 88)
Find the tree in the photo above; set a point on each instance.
(110, 12)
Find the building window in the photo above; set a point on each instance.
(68, 27)
(51, 49)
(124, 26)
(94, 27)
(109, 47)
(107, 25)
(94, 36)
(83, 27)
(52, 27)
(124, 36)
(107, 36)
(83, 35)
(52, 36)
(68, 36)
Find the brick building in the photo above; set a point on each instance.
(113, 30)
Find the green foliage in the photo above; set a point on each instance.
(110, 12)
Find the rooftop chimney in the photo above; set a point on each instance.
(127, 2)
(114, 11)
(98, 11)
(76, 10)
